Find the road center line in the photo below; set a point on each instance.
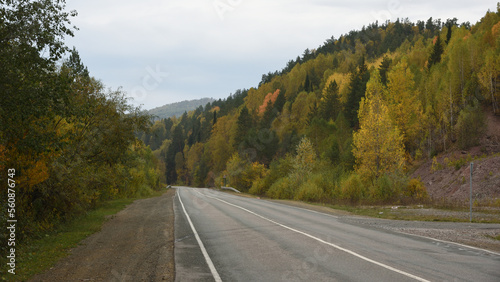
(325, 242)
(211, 265)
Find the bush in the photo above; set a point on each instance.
(243, 174)
(282, 189)
(309, 191)
(416, 190)
(387, 187)
(353, 188)
(260, 186)
(278, 169)
(470, 125)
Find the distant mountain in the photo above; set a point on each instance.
(177, 109)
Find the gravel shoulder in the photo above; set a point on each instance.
(479, 235)
(136, 244)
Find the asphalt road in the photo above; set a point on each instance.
(221, 236)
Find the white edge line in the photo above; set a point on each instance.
(294, 207)
(304, 209)
(327, 243)
(402, 232)
(449, 242)
(211, 265)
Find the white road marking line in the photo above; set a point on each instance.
(452, 243)
(211, 265)
(327, 243)
(402, 232)
(289, 206)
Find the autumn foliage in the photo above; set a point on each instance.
(347, 121)
(268, 100)
(69, 140)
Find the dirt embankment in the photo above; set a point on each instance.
(447, 179)
(134, 245)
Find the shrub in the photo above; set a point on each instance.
(282, 189)
(310, 190)
(243, 174)
(260, 186)
(277, 169)
(435, 165)
(470, 124)
(353, 188)
(388, 187)
(304, 161)
(416, 190)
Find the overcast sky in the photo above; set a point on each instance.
(165, 51)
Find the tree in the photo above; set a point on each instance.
(220, 148)
(437, 51)
(74, 63)
(31, 42)
(243, 126)
(280, 101)
(357, 88)
(377, 145)
(384, 69)
(305, 159)
(180, 168)
(329, 105)
(175, 147)
(267, 109)
(489, 76)
(448, 33)
(405, 109)
(308, 87)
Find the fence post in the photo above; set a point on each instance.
(471, 166)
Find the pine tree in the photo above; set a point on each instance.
(307, 84)
(280, 101)
(329, 106)
(175, 147)
(357, 88)
(384, 68)
(243, 125)
(448, 34)
(437, 51)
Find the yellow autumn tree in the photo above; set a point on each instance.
(378, 144)
(405, 109)
(220, 147)
(305, 159)
(488, 77)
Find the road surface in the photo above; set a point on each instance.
(223, 237)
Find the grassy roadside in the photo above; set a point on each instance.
(38, 255)
(409, 213)
(423, 213)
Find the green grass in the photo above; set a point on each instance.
(405, 213)
(38, 255)
(494, 237)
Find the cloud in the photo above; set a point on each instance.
(210, 48)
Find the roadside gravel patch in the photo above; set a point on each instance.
(134, 245)
(478, 235)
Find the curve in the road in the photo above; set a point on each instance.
(325, 242)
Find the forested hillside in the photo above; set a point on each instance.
(348, 120)
(66, 143)
(177, 109)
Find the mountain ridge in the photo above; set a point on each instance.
(178, 108)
